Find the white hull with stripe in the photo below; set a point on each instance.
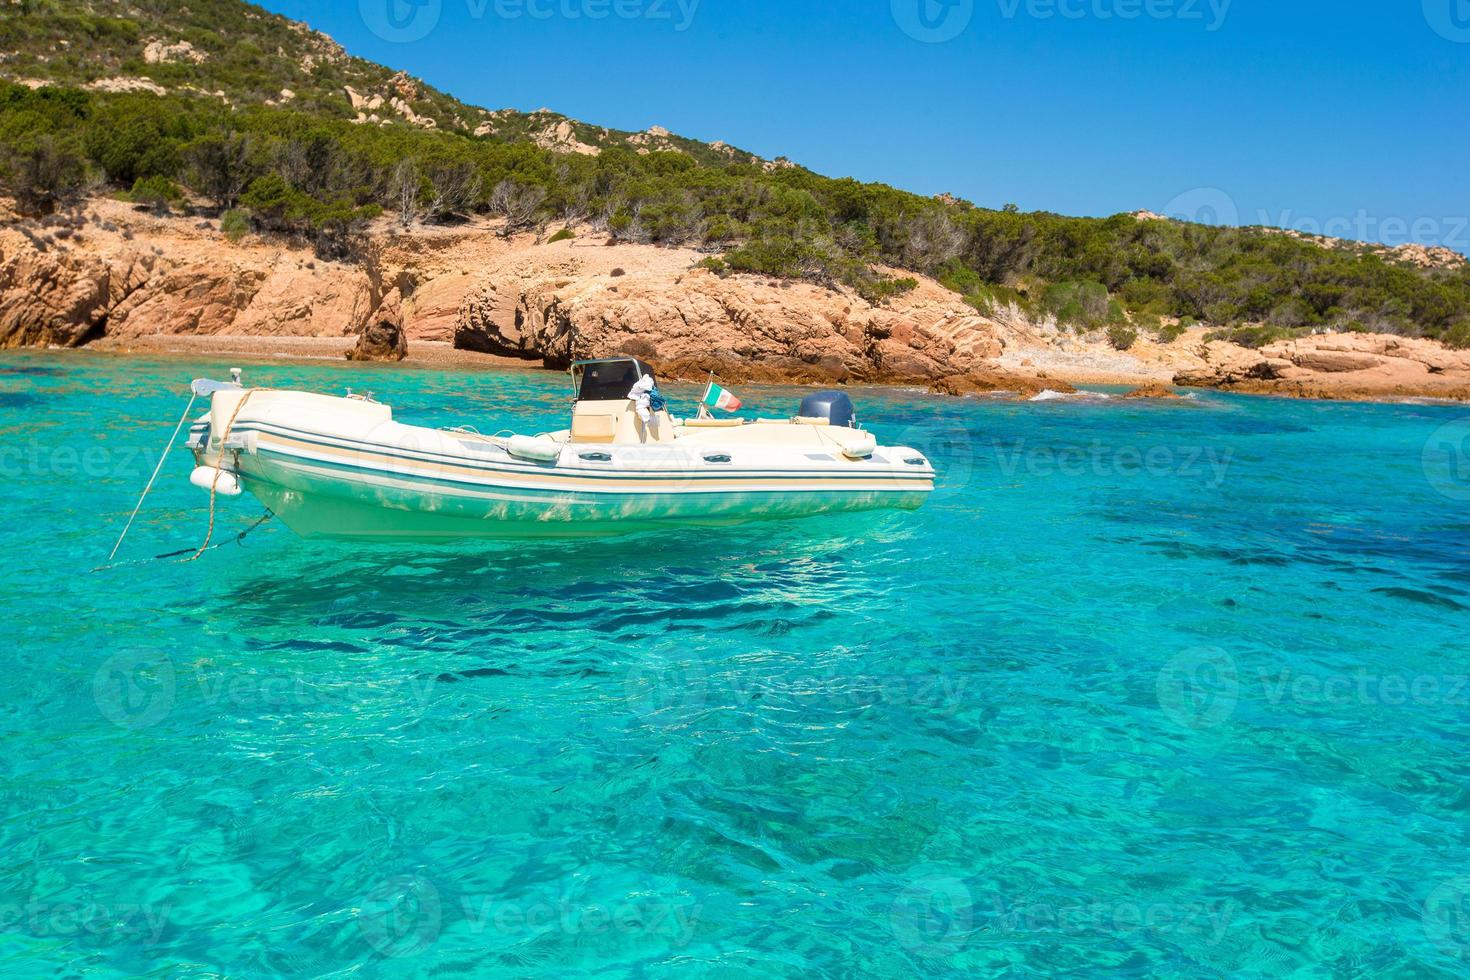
(332, 467)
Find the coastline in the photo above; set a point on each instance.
(422, 354)
(125, 282)
(1015, 385)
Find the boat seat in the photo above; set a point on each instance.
(594, 428)
(714, 423)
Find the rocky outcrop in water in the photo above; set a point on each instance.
(1336, 366)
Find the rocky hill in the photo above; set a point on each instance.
(241, 55)
(209, 169)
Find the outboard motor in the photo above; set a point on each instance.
(834, 406)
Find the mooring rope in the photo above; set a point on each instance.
(154, 478)
(218, 471)
(237, 539)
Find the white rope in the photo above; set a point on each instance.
(152, 479)
(219, 469)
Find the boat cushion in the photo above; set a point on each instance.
(594, 428)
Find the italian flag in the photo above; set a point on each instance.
(720, 399)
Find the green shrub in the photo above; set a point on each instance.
(714, 264)
(563, 235)
(1148, 322)
(1122, 337)
(1458, 335)
(881, 290)
(1080, 305)
(234, 225)
(1147, 295)
(1170, 332)
(991, 300)
(157, 192)
(966, 282)
(43, 173)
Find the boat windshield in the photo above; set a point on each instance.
(605, 381)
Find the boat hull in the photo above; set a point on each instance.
(318, 507)
(406, 483)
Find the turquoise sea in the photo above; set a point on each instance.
(1146, 690)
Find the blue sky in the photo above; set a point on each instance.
(1349, 118)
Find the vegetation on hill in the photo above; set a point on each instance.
(224, 136)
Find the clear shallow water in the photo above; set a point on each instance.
(1145, 690)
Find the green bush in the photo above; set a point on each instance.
(1080, 305)
(563, 235)
(1148, 322)
(1458, 335)
(881, 290)
(714, 264)
(157, 192)
(43, 173)
(234, 225)
(1122, 337)
(966, 282)
(1170, 332)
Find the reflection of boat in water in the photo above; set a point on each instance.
(342, 467)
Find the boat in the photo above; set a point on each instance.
(344, 467)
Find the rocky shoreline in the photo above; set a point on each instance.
(120, 280)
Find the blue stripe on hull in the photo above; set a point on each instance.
(320, 499)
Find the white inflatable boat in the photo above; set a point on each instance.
(342, 467)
